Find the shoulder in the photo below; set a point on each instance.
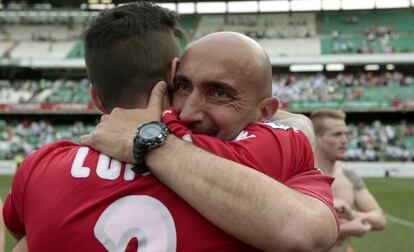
(265, 133)
(276, 126)
(354, 178)
(272, 128)
(46, 150)
(52, 147)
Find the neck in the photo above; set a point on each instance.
(323, 163)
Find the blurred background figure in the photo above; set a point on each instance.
(357, 208)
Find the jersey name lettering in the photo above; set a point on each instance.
(106, 168)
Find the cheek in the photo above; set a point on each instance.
(327, 144)
(232, 124)
(177, 102)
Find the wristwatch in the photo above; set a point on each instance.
(149, 135)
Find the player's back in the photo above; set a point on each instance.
(73, 198)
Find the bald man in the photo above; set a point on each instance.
(220, 92)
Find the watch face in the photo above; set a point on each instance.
(150, 131)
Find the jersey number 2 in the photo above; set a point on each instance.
(142, 217)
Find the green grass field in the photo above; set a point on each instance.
(396, 196)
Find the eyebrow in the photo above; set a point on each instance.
(180, 77)
(210, 83)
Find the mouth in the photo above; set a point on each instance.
(209, 131)
(342, 149)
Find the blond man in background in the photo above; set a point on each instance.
(357, 208)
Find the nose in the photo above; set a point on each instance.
(192, 110)
(344, 138)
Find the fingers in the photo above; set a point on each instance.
(157, 97)
(91, 138)
(86, 140)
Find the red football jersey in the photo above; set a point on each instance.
(67, 197)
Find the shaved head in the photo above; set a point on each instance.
(246, 56)
(222, 84)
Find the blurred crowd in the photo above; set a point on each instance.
(17, 139)
(381, 142)
(341, 86)
(288, 87)
(367, 141)
(375, 39)
(46, 28)
(44, 91)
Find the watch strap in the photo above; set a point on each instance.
(142, 146)
(140, 168)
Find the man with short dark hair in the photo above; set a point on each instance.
(349, 189)
(140, 41)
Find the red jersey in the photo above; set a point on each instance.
(67, 197)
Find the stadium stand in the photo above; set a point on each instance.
(44, 91)
(57, 36)
(293, 47)
(379, 31)
(381, 142)
(21, 138)
(34, 49)
(5, 47)
(296, 25)
(387, 86)
(280, 34)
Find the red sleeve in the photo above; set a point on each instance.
(13, 210)
(316, 185)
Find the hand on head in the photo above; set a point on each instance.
(113, 136)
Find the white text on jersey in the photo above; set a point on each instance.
(107, 168)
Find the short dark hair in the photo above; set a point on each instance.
(128, 49)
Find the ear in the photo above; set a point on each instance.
(172, 72)
(267, 108)
(95, 99)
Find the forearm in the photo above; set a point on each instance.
(356, 227)
(348, 229)
(243, 202)
(375, 218)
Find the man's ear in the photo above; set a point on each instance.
(172, 72)
(267, 108)
(95, 99)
